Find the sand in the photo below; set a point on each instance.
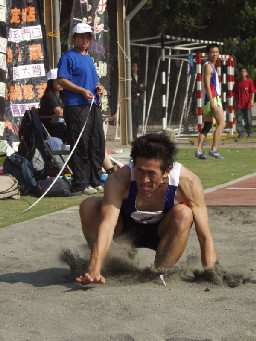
(41, 301)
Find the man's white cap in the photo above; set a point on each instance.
(82, 28)
(52, 74)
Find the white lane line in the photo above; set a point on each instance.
(253, 188)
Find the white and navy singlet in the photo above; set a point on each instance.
(147, 217)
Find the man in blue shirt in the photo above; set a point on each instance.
(78, 77)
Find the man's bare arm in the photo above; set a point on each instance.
(193, 194)
(208, 72)
(252, 99)
(68, 85)
(114, 192)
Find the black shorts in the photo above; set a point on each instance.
(141, 235)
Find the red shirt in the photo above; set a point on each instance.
(243, 90)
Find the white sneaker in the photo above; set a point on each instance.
(100, 189)
(90, 190)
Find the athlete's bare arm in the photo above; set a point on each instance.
(115, 191)
(190, 190)
(208, 73)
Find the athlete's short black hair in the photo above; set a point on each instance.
(154, 146)
(211, 46)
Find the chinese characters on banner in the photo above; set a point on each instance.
(94, 12)
(27, 60)
(3, 45)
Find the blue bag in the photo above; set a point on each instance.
(21, 169)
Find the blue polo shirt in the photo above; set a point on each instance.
(80, 70)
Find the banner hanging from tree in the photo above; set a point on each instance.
(27, 62)
(94, 13)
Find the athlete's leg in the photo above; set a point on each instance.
(207, 120)
(90, 216)
(218, 114)
(173, 231)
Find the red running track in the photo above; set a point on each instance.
(240, 192)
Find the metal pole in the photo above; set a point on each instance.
(152, 94)
(168, 85)
(56, 32)
(128, 57)
(185, 101)
(145, 93)
(175, 93)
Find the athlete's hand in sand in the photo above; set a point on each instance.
(91, 278)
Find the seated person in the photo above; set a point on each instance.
(51, 105)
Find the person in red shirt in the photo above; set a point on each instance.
(243, 92)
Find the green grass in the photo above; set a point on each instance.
(237, 163)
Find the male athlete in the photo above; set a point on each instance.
(154, 201)
(212, 107)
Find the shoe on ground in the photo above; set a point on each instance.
(215, 154)
(240, 136)
(249, 135)
(100, 189)
(201, 156)
(90, 190)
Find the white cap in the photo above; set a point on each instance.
(52, 74)
(82, 28)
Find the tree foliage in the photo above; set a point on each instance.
(231, 21)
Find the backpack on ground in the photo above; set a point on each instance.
(9, 187)
(21, 169)
(61, 188)
(31, 136)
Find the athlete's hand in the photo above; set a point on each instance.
(88, 95)
(91, 277)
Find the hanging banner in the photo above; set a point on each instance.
(94, 13)
(3, 46)
(27, 62)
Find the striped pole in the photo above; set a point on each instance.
(230, 95)
(163, 82)
(199, 91)
(233, 81)
(219, 74)
(223, 92)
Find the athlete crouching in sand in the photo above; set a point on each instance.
(154, 200)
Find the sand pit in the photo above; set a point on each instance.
(41, 301)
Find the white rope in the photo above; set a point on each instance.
(123, 52)
(65, 163)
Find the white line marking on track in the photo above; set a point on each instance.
(253, 188)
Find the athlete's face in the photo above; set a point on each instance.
(82, 41)
(148, 175)
(213, 54)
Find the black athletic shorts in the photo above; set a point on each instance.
(141, 235)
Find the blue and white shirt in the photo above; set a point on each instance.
(148, 217)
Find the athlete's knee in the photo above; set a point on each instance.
(89, 209)
(221, 124)
(183, 217)
(206, 128)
